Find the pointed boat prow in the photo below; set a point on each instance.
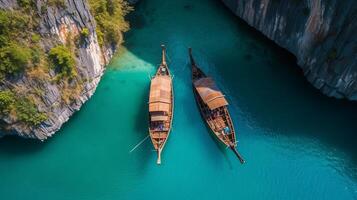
(237, 154)
(163, 61)
(159, 157)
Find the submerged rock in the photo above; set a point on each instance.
(320, 33)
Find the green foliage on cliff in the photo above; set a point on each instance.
(26, 4)
(21, 108)
(13, 59)
(12, 26)
(109, 15)
(6, 99)
(19, 52)
(81, 38)
(63, 59)
(27, 112)
(84, 32)
(58, 3)
(16, 46)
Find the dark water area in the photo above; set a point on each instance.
(281, 85)
(298, 143)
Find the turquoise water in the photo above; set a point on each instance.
(298, 144)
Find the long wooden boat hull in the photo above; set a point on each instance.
(217, 119)
(153, 135)
(160, 131)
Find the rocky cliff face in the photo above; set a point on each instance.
(320, 33)
(58, 24)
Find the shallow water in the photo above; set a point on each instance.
(298, 144)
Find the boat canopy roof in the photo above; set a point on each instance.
(155, 107)
(160, 94)
(209, 92)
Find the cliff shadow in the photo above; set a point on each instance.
(14, 145)
(274, 95)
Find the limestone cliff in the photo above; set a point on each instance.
(68, 23)
(320, 33)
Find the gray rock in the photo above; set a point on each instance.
(8, 4)
(320, 33)
(55, 25)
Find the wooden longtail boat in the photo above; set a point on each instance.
(161, 105)
(213, 107)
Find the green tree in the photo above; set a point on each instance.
(13, 59)
(63, 60)
(27, 112)
(109, 15)
(6, 100)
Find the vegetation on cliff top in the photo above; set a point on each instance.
(15, 51)
(22, 55)
(19, 51)
(109, 15)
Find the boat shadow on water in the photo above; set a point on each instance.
(141, 127)
(222, 148)
(224, 151)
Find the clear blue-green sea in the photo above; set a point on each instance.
(298, 143)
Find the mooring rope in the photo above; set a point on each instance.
(136, 146)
